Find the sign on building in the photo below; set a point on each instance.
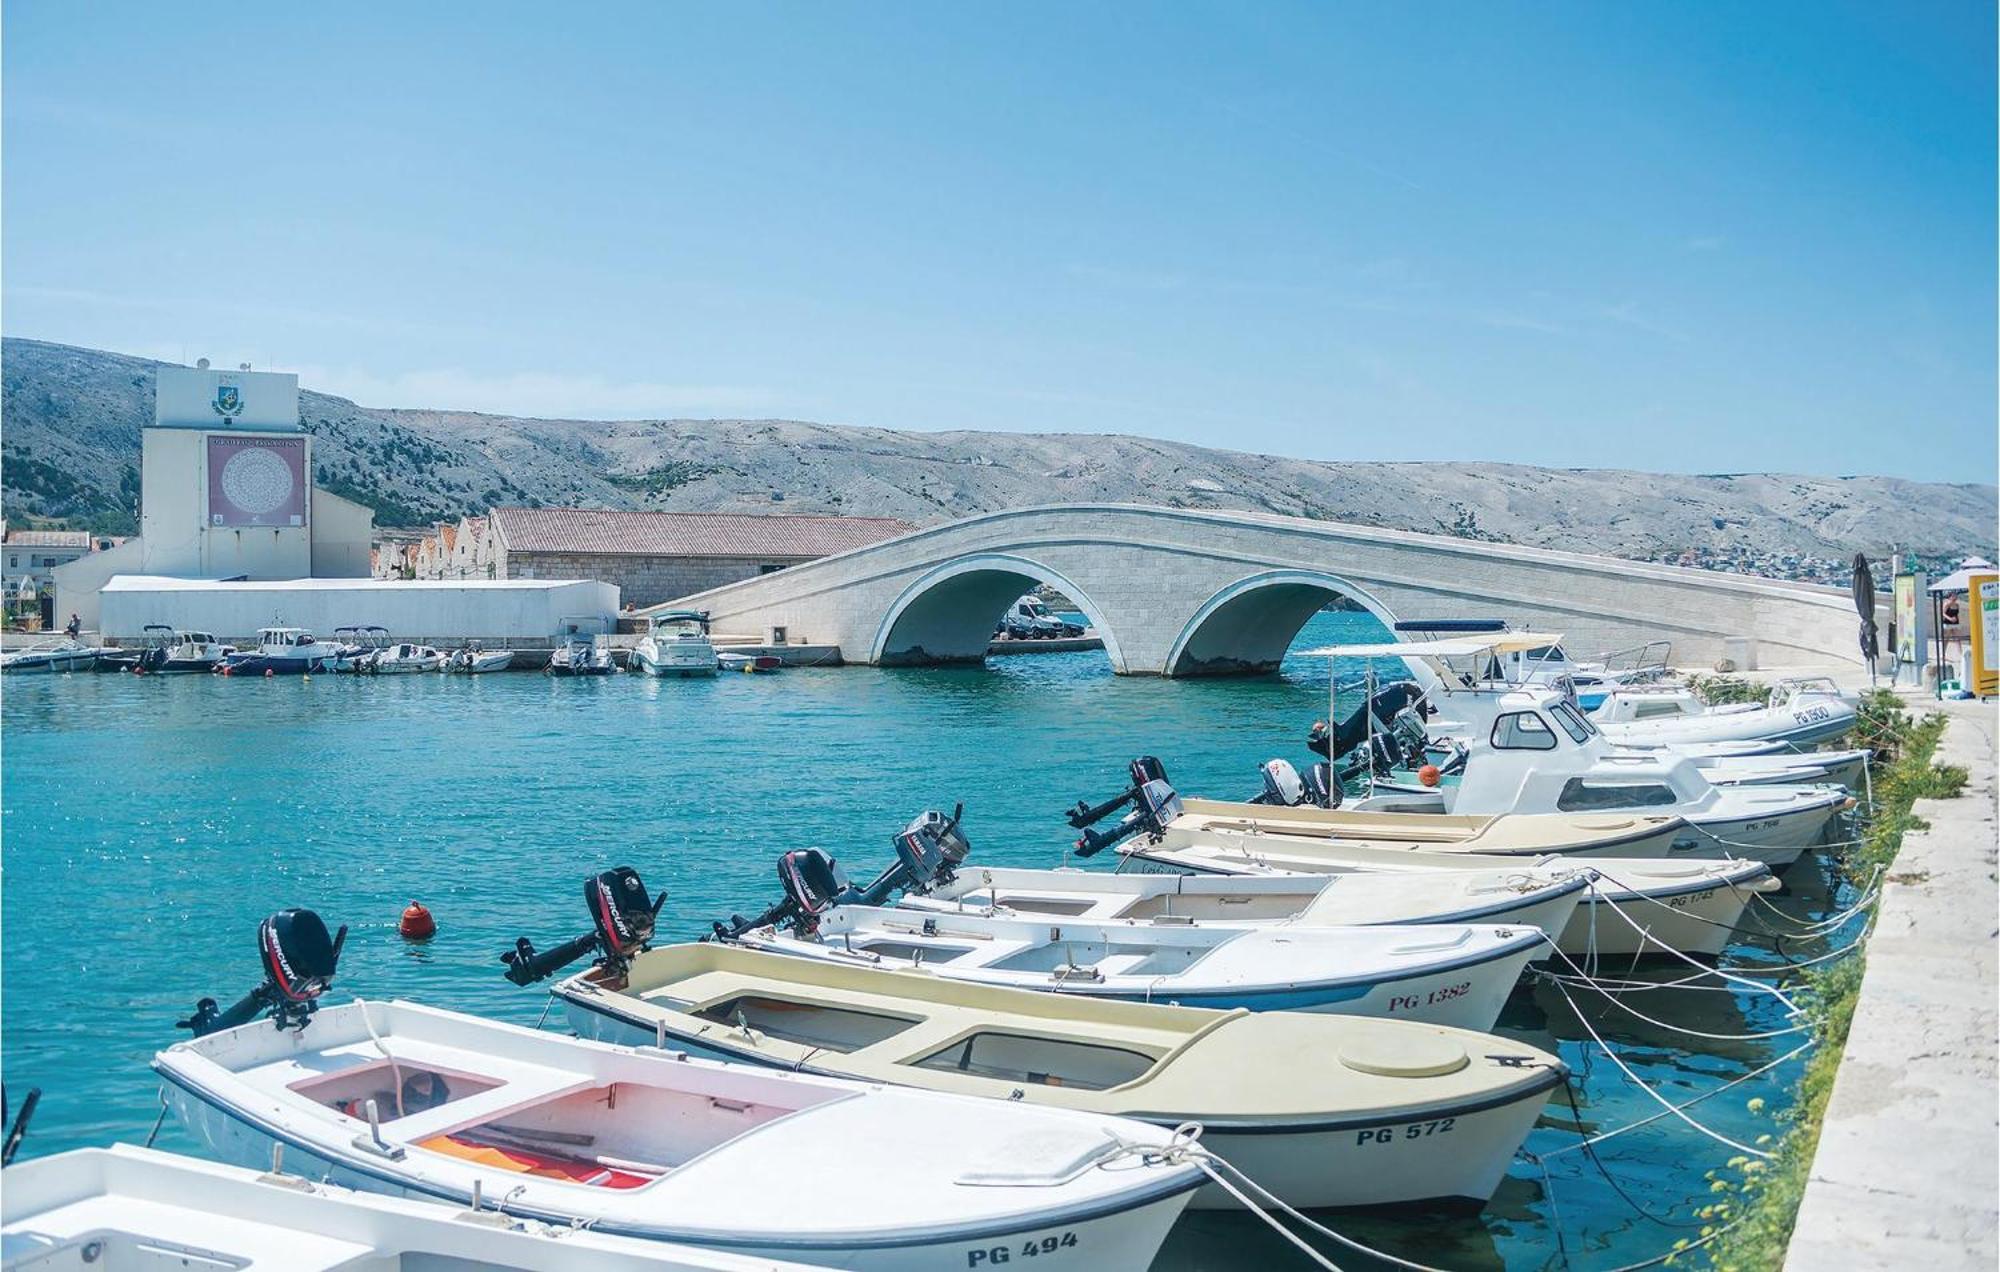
(257, 481)
(191, 397)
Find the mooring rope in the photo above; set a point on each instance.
(1615, 1132)
(1637, 1081)
(1623, 1006)
(1723, 973)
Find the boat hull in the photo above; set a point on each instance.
(1775, 840)
(54, 664)
(1124, 1237)
(262, 664)
(1450, 1153)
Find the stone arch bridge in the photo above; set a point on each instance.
(1179, 592)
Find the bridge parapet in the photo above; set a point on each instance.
(1186, 592)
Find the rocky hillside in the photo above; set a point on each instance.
(71, 438)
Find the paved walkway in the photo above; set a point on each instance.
(1906, 1171)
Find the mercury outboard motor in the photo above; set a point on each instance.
(298, 958)
(621, 927)
(928, 852)
(1153, 802)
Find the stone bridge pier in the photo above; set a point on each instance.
(1179, 593)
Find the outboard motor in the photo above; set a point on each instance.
(621, 927)
(1321, 790)
(1388, 702)
(928, 851)
(298, 958)
(1153, 802)
(1282, 785)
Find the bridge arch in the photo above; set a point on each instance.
(948, 613)
(1247, 626)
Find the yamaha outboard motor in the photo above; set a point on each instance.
(298, 958)
(621, 926)
(1152, 800)
(929, 852)
(1322, 790)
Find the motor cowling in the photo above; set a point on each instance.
(298, 958)
(622, 920)
(1282, 784)
(930, 849)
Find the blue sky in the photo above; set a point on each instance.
(1689, 236)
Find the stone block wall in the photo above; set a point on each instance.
(641, 580)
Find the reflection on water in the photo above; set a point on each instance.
(149, 823)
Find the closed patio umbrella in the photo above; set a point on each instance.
(1864, 604)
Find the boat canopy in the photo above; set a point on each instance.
(1456, 647)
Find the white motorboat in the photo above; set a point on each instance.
(1323, 1110)
(51, 657)
(1448, 974)
(405, 659)
(1541, 754)
(582, 649)
(1802, 712)
(129, 1207)
(640, 1142)
(676, 644)
(281, 651)
(474, 661)
(187, 652)
(1688, 904)
(356, 647)
(1513, 895)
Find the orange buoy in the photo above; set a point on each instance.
(417, 923)
(1428, 775)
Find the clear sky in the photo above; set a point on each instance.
(1696, 236)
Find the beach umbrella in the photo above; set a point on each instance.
(1864, 604)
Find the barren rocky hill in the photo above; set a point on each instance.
(71, 438)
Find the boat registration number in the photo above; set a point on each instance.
(1408, 1002)
(1032, 1249)
(1811, 715)
(1682, 903)
(1414, 1130)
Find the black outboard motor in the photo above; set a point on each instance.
(298, 958)
(928, 852)
(1153, 803)
(1389, 700)
(621, 926)
(1321, 788)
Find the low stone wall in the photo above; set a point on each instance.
(644, 580)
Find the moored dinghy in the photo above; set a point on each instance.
(126, 1207)
(1322, 1110)
(649, 1144)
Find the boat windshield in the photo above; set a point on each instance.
(1572, 721)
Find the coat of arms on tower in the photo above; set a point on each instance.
(228, 401)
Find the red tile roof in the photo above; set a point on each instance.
(687, 534)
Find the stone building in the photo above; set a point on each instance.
(657, 556)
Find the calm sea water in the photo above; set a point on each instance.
(149, 823)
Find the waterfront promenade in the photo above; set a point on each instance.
(1905, 1175)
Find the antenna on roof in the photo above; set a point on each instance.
(242, 366)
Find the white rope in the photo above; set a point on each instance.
(1650, 939)
(1665, 1103)
(1587, 1142)
(395, 1070)
(1680, 1029)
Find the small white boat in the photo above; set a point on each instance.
(1541, 755)
(405, 659)
(1802, 712)
(129, 1207)
(747, 663)
(675, 644)
(474, 661)
(51, 657)
(187, 652)
(1448, 974)
(1323, 1110)
(356, 647)
(1687, 904)
(641, 1142)
(1535, 896)
(582, 649)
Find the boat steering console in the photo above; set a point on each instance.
(621, 926)
(298, 958)
(928, 852)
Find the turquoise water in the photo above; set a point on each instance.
(150, 822)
